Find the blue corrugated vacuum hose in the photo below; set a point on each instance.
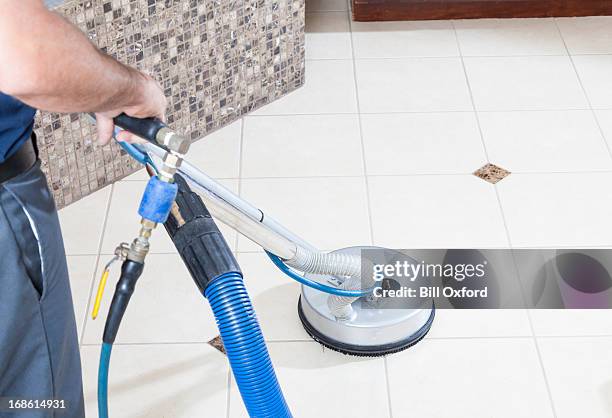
(245, 347)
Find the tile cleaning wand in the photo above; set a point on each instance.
(155, 206)
(211, 264)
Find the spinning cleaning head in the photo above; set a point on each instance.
(374, 327)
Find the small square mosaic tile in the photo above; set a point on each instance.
(491, 173)
(216, 60)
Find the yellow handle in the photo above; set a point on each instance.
(96, 307)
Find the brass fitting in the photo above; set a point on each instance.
(170, 164)
(140, 246)
(173, 141)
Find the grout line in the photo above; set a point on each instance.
(482, 138)
(422, 112)
(503, 215)
(423, 174)
(542, 368)
(440, 57)
(367, 186)
(514, 337)
(362, 142)
(534, 336)
(527, 311)
(480, 337)
(310, 341)
(145, 180)
(603, 171)
(499, 202)
(228, 393)
(601, 132)
(469, 86)
(341, 176)
(97, 264)
(575, 336)
(203, 343)
(414, 174)
(240, 179)
(390, 408)
(288, 115)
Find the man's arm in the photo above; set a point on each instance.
(50, 64)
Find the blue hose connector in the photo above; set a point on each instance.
(245, 347)
(157, 200)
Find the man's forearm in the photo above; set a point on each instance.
(50, 64)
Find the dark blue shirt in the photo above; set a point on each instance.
(16, 124)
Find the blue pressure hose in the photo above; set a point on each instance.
(103, 380)
(140, 156)
(315, 285)
(245, 347)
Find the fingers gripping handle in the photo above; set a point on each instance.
(146, 128)
(154, 131)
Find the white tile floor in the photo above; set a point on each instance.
(378, 148)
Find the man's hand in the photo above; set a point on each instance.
(48, 63)
(150, 102)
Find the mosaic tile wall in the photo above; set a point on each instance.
(216, 61)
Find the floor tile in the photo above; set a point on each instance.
(123, 221)
(169, 380)
(435, 212)
(218, 154)
(328, 36)
(453, 323)
(587, 35)
(419, 143)
(550, 210)
(571, 322)
(471, 378)
(524, 83)
(404, 39)
(82, 223)
(139, 175)
(81, 272)
(579, 375)
(412, 85)
(302, 145)
(545, 141)
(329, 88)
(594, 72)
(328, 212)
(307, 374)
(166, 306)
(326, 5)
(274, 297)
(507, 37)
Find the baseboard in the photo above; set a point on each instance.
(379, 10)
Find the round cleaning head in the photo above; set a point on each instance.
(376, 326)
